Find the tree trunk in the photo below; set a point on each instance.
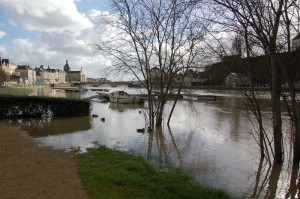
(297, 131)
(276, 111)
(296, 143)
(159, 116)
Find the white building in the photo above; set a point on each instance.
(50, 76)
(27, 74)
(7, 66)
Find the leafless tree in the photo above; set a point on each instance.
(267, 24)
(155, 41)
(290, 68)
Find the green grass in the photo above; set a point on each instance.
(107, 173)
(15, 91)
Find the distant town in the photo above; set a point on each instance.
(43, 75)
(230, 72)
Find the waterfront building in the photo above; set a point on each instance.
(8, 66)
(74, 76)
(26, 74)
(77, 76)
(50, 76)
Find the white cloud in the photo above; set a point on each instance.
(2, 34)
(54, 49)
(60, 33)
(46, 15)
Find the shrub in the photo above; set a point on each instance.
(32, 106)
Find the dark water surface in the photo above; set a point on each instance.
(211, 140)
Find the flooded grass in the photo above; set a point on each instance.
(107, 173)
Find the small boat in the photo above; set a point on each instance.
(123, 98)
(81, 89)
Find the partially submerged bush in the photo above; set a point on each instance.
(32, 106)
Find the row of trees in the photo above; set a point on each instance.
(177, 35)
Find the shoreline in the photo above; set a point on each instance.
(30, 171)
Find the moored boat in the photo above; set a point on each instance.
(123, 97)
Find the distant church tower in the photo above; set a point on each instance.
(67, 67)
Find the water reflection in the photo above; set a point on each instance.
(273, 181)
(293, 191)
(124, 107)
(46, 91)
(210, 140)
(55, 126)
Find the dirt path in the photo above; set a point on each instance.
(30, 172)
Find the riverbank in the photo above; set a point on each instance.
(114, 174)
(28, 171)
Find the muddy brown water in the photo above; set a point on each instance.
(211, 140)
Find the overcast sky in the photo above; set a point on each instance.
(49, 32)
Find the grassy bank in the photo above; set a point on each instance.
(15, 91)
(108, 173)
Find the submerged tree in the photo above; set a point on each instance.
(268, 25)
(156, 42)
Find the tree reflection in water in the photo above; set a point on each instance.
(294, 187)
(157, 139)
(270, 181)
(44, 127)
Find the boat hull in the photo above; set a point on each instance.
(125, 100)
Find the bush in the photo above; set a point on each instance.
(29, 106)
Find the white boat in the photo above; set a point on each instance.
(123, 98)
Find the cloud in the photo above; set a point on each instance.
(55, 32)
(46, 15)
(54, 49)
(46, 50)
(2, 34)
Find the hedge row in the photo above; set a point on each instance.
(29, 106)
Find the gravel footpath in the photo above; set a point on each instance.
(28, 171)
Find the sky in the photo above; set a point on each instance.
(49, 32)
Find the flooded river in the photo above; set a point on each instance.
(211, 140)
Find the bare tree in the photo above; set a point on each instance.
(156, 42)
(290, 68)
(264, 25)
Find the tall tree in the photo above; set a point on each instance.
(264, 19)
(290, 68)
(154, 41)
